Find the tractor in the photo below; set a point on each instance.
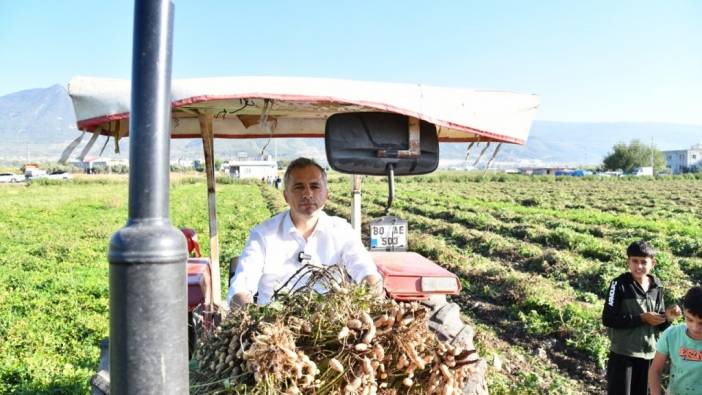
(381, 129)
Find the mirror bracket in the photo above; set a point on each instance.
(414, 149)
(391, 187)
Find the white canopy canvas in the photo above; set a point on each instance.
(250, 107)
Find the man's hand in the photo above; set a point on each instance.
(673, 312)
(241, 299)
(375, 283)
(653, 319)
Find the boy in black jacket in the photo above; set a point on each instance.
(634, 313)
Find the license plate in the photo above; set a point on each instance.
(388, 234)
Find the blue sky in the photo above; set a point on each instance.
(592, 61)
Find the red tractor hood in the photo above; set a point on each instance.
(410, 276)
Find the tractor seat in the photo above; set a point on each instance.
(193, 245)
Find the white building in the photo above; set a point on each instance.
(259, 169)
(182, 163)
(680, 161)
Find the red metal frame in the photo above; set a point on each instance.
(199, 282)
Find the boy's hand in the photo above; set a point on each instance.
(673, 312)
(653, 319)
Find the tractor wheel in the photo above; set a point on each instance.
(445, 321)
(100, 382)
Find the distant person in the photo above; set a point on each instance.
(278, 181)
(634, 314)
(682, 345)
(304, 234)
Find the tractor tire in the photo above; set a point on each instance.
(100, 382)
(445, 321)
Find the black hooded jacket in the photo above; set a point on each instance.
(626, 301)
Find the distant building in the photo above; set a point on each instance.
(542, 171)
(681, 161)
(259, 169)
(182, 163)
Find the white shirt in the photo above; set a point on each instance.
(270, 256)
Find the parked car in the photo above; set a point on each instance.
(11, 177)
(60, 175)
(642, 171)
(574, 173)
(32, 173)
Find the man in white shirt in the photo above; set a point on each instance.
(278, 248)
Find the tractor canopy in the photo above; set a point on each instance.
(342, 111)
(264, 107)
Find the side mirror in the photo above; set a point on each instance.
(376, 143)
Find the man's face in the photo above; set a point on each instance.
(640, 266)
(694, 325)
(307, 193)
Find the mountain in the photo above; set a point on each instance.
(585, 143)
(38, 120)
(42, 122)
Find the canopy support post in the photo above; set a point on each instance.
(391, 187)
(413, 136)
(356, 203)
(206, 120)
(148, 295)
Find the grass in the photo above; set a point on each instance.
(54, 271)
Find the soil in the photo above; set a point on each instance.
(574, 363)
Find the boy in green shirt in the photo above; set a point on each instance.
(682, 344)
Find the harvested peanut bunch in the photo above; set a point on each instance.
(346, 341)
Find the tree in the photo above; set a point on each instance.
(628, 157)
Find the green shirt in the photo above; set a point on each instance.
(685, 354)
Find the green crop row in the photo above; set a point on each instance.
(683, 225)
(557, 237)
(655, 199)
(588, 262)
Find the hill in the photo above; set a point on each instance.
(41, 122)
